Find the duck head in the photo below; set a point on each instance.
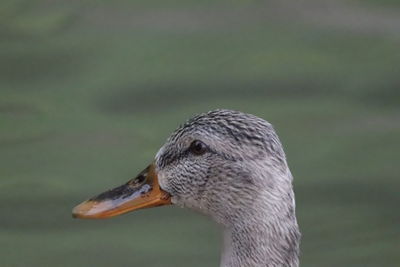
(230, 166)
(223, 163)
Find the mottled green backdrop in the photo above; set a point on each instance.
(89, 90)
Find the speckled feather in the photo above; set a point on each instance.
(242, 181)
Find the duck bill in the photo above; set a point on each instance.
(141, 192)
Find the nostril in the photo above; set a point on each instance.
(137, 181)
(140, 179)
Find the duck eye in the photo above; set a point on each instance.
(197, 147)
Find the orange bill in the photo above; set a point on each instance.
(141, 192)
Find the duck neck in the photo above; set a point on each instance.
(262, 240)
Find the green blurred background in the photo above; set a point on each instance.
(89, 90)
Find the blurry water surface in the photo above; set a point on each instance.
(89, 90)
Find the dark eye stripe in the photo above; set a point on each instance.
(169, 158)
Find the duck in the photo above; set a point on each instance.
(230, 166)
